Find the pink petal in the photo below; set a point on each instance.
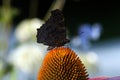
(99, 78)
(114, 78)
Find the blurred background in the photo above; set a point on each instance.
(93, 29)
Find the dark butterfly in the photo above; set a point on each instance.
(53, 32)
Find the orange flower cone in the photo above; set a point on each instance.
(62, 64)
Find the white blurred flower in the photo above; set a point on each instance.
(92, 57)
(1, 66)
(27, 57)
(26, 30)
(91, 61)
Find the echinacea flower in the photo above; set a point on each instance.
(62, 63)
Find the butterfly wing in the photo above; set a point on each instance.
(53, 32)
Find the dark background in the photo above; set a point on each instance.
(77, 12)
